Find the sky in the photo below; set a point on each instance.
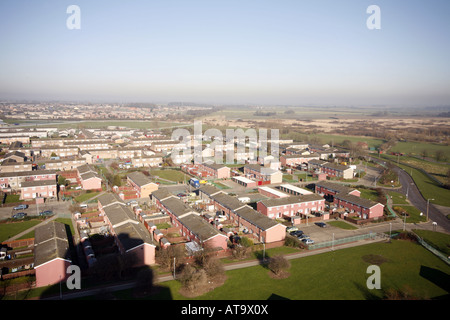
(315, 52)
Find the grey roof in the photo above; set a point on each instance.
(176, 206)
(209, 190)
(37, 183)
(334, 186)
(162, 193)
(291, 200)
(108, 198)
(128, 230)
(362, 202)
(335, 166)
(27, 173)
(139, 178)
(255, 218)
(50, 242)
(199, 226)
(227, 201)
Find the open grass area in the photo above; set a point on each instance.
(368, 194)
(170, 174)
(438, 240)
(10, 229)
(337, 275)
(428, 187)
(397, 198)
(342, 225)
(414, 214)
(416, 148)
(86, 196)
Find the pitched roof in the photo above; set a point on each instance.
(37, 183)
(109, 198)
(254, 217)
(291, 200)
(334, 186)
(50, 242)
(362, 202)
(199, 226)
(227, 201)
(176, 206)
(161, 194)
(139, 178)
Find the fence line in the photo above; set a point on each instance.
(436, 252)
(325, 244)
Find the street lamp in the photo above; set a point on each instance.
(428, 204)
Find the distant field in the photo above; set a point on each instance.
(416, 148)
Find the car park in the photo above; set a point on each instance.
(21, 207)
(321, 224)
(19, 215)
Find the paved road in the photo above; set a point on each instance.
(416, 198)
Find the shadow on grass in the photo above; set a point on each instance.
(439, 278)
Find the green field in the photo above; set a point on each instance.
(428, 187)
(337, 275)
(416, 148)
(8, 230)
(397, 198)
(170, 174)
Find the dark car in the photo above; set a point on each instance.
(321, 224)
(181, 195)
(19, 215)
(46, 213)
(296, 233)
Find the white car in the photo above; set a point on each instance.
(308, 241)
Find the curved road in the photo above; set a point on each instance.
(416, 198)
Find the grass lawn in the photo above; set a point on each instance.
(336, 275)
(369, 194)
(416, 148)
(86, 196)
(342, 225)
(8, 230)
(439, 240)
(12, 198)
(170, 174)
(414, 214)
(429, 188)
(397, 198)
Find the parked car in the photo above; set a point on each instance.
(321, 224)
(302, 236)
(46, 213)
(21, 207)
(19, 215)
(291, 229)
(296, 233)
(181, 195)
(308, 241)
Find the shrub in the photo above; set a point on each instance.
(192, 278)
(278, 264)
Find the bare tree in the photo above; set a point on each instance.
(278, 264)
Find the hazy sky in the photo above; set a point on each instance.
(227, 51)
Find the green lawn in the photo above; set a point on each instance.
(342, 225)
(86, 196)
(397, 198)
(414, 214)
(439, 240)
(170, 174)
(8, 230)
(368, 194)
(428, 187)
(416, 148)
(336, 275)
